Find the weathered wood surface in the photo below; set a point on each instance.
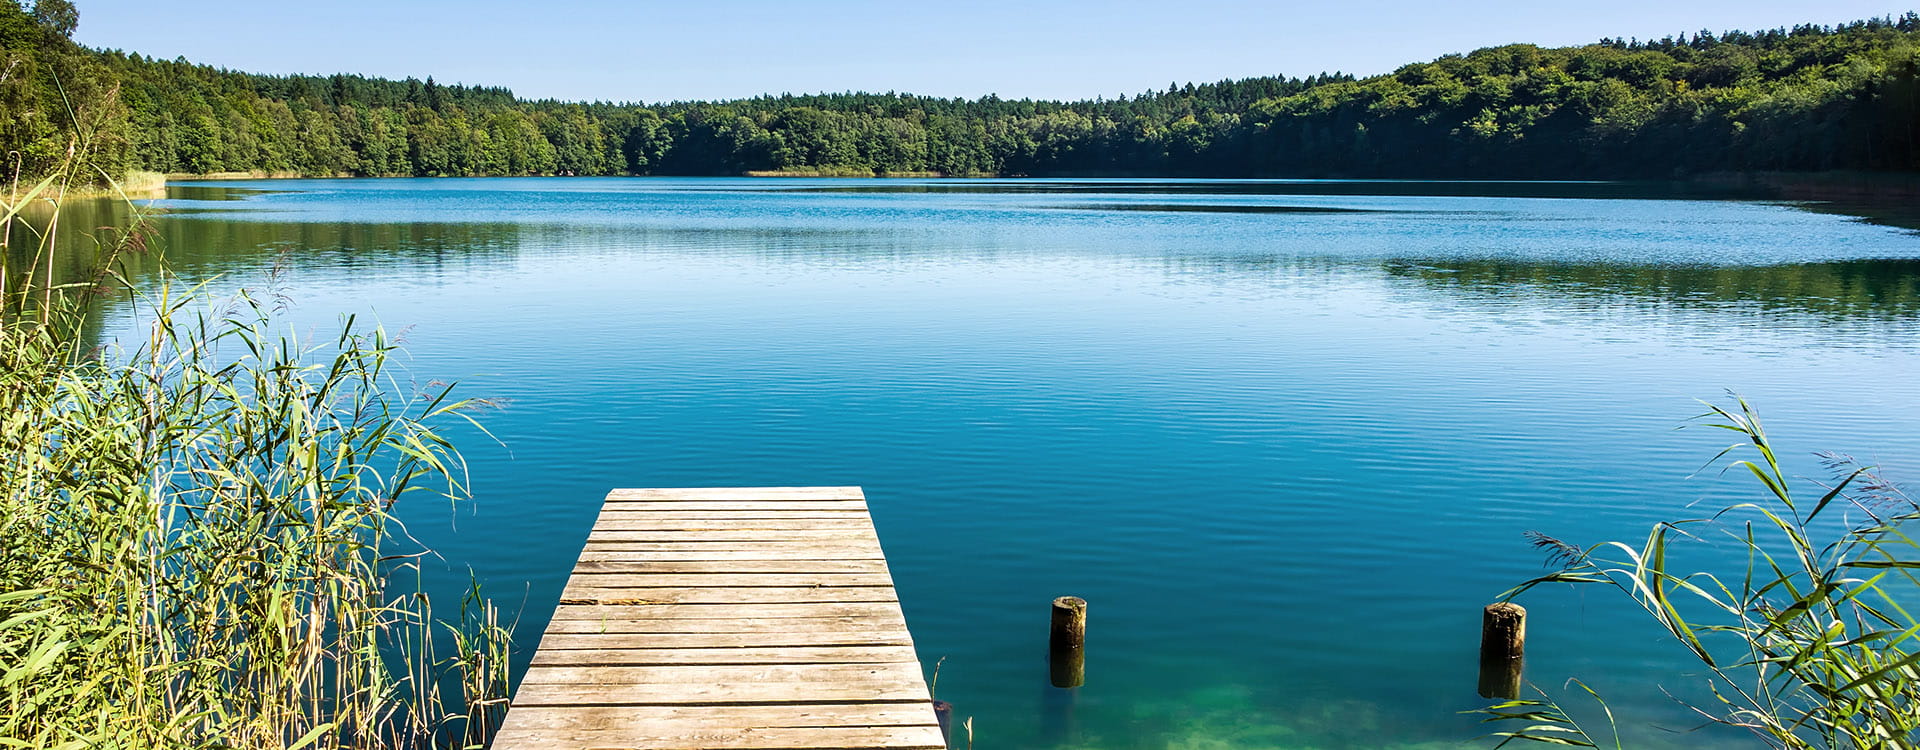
(737, 617)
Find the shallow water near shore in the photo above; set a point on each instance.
(1284, 436)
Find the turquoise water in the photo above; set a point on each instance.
(1285, 437)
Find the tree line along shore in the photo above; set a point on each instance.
(1810, 98)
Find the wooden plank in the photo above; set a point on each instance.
(579, 594)
(773, 738)
(822, 625)
(733, 539)
(755, 536)
(696, 544)
(730, 566)
(640, 552)
(788, 636)
(768, 738)
(670, 494)
(725, 611)
(671, 522)
(729, 579)
(752, 618)
(739, 674)
(742, 505)
(661, 694)
(640, 512)
(613, 657)
(774, 715)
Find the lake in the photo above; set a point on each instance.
(1285, 437)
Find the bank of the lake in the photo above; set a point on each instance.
(1883, 197)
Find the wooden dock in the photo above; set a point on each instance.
(727, 618)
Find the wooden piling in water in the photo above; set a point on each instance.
(943, 713)
(1503, 646)
(1066, 646)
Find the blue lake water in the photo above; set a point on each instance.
(1285, 437)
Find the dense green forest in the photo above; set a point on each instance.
(1812, 97)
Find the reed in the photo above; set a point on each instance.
(1810, 643)
(198, 545)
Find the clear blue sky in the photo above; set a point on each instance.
(658, 51)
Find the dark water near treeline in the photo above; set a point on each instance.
(1285, 437)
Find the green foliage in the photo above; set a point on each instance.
(197, 546)
(57, 16)
(1540, 721)
(52, 95)
(1806, 98)
(1811, 643)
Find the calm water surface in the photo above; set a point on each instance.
(1284, 437)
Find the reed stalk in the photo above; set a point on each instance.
(1810, 643)
(198, 545)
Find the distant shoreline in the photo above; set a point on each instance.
(855, 174)
(781, 173)
(1822, 186)
(1878, 197)
(1808, 186)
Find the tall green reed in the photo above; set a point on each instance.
(198, 539)
(1810, 643)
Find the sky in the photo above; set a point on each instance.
(643, 50)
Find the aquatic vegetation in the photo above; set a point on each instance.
(1810, 643)
(198, 545)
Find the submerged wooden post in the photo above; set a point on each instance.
(1503, 647)
(1066, 648)
(943, 713)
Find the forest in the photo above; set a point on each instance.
(1809, 98)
